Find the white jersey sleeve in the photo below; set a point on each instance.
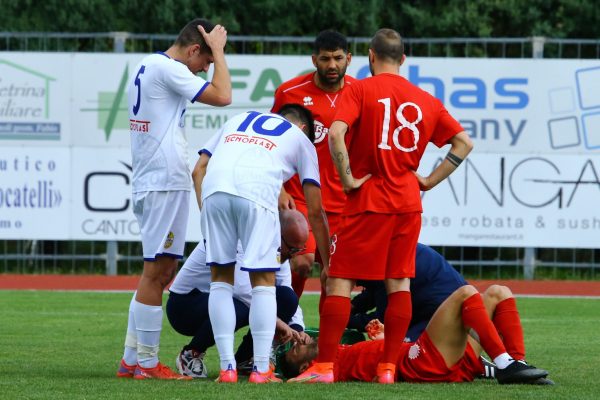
(184, 82)
(211, 144)
(298, 318)
(308, 164)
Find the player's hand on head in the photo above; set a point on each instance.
(286, 334)
(216, 39)
(304, 338)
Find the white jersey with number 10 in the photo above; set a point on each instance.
(254, 153)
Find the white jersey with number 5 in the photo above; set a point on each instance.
(159, 90)
(254, 153)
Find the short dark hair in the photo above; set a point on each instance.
(300, 114)
(288, 370)
(190, 34)
(387, 44)
(330, 40)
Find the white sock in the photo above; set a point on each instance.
(130, 353)
(148, 324)
(503, 360)
(222, 319)
(263, 317)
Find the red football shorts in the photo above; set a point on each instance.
(424, 363)
(375, 246)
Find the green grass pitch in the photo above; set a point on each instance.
(56, 345)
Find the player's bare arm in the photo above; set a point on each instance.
(461, 146)
(286, 201)
(318, 220)
(339, 153)
(218, 92)
(198, 176)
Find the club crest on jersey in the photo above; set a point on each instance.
(169, 241)
(320, 132)
(308, 101)
(414, 351)
(258, 141)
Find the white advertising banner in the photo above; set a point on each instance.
(35, 193)
(102, 207)
(535, 125)
(515, 200)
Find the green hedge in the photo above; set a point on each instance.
(412, 18)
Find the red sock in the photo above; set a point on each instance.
(298, 282)
(508, 323)
(333, 321)
(397, 318)
(322, 299)
(474, 316)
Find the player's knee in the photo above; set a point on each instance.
(302, 265)
(287, 302)
(498, 292)
(466, 291)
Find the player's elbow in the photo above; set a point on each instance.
(222, 100)
(335, 136)
(468, 145)
(216, 96)
(461, 144)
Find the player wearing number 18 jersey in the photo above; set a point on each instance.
(390, 122)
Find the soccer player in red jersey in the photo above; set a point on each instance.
(390, 122)
(320, 92)
(444, 352)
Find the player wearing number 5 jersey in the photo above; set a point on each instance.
(390, 122)
(238, 179)
(159, 91)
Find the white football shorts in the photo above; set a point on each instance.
(163, 218)
(225, 218)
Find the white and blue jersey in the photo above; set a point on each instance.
(254, 153)
(158, 93)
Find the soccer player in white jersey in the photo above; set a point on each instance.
(187, 306)
(238, 179)
(160, 88)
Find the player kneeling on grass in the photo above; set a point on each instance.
(443, 353)
(187, 307)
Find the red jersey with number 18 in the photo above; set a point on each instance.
(390, 123)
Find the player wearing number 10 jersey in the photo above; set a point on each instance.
(390, 122)
(238, 180)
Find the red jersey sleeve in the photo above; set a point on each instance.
(351, 105)
(445, 128)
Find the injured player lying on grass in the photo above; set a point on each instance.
(445, 352)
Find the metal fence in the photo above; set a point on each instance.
(119, 42)
(33, 256)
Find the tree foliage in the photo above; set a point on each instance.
(412, 18)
